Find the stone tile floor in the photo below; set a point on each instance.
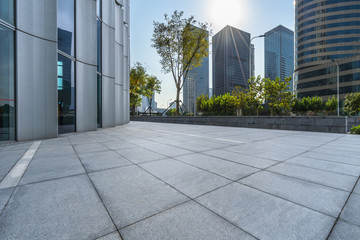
(169, 181)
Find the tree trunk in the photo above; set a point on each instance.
(177, 101)
(150, 106)
(272, 112)
(257, 112)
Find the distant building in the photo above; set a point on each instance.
(196, 81)
(145, 104)
(210, 92)
(230, 60)
(326, 32)
(279, 53)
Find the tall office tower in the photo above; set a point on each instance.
(196, 83)
(230, 60)
(327, 34)
(279, 53)
(71, 62)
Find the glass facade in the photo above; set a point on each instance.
(279, 53)
(99, 62)
(99, 101)
(7, 11)
(66, 26)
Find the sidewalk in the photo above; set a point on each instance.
(174, 181)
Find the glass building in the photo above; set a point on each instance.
(279, 53)
(196, 84)
(64, 67)
(230, 48)
(327, 34)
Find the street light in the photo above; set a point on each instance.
(337, 80)
(254, 52)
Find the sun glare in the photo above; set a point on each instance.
(226, 12)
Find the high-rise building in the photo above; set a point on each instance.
(196, 84)
(230, 60)
(279, 53)
(64, 67)
(327, 34)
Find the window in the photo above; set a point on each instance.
(66, 26)
(99, 101)
(7, 11)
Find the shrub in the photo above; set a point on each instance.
(352, 104)
(331, 104)
(355, 130)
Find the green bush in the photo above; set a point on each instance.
(355, 130)
(331, 104)
(352, 104)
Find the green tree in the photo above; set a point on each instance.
(137, 83)
(277, 94)
(242, 99)
(352, 104)
(152, 86)
(256, 94)
(181, 47)
(331, 105)
(316, 104)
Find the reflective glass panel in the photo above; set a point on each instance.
(66, 95)
(66, 26)
(7, 11)
(7, 97)
(99, 101)
(99, 46)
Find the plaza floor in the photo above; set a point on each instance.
(170, 181)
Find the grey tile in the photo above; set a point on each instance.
(139, 155)
(4, 197)
(326, 165)
(116, 145)
(17, 146)
(231, 170)
(351, 212)
(187, 221)
(266, 216)
(344, 231)
(324, 199)
(193, 146)
(167, 150)
(7, 161)
(80, 139)
(189, 180)
(56, 142)
(89, 147)
(102, 160)
(333, 158)
(51, 152)
(51, 168)
(67, 208)
(357, 188)
(241, 158)
(111, 236)
(336, 180)
(131, 194)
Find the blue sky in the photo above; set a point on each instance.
(253, 16)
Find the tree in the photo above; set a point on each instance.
(277, 94)
(352, 103)
(152, 86)
(137, 83)
(331, 104)
(181, 47)
(256, 93)
(242, 99)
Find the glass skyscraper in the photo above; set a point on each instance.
(64, 67)
(230, 60)
(279, 53)
(327, 33)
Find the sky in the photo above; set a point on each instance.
(253, 16)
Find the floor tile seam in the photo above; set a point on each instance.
(321, 184)
(339, 155)
(324, 170)
(52, 157)
(342, 209)
(8, 201)
(332, 161)
(97, 193)
(107, 234)
(52, 179)
(12, 166)
(350, 223)
(288, 200)
(251, 155)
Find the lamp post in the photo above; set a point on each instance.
(337, 85)
(254, 52)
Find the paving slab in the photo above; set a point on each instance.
(67, 208)
(111, 236)
(52, 152)
(7, 160)
(266, 216)
(4, 197)
(323, 199)
(89, 148)
(140, 155)
(51, 168)
(193, 146)
(96, 161)
(187, 221)
(241, 158)
(326, 165)
(55, 142)
(333, 158)
(167, 150)
(231, 170)
(131, 194)
(116, 145)
(330, 179)
(17, 146)
(345, 231)
(357, 188)
(187, 179)
(80, 138)
(351, 212)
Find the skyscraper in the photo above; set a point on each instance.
(230, 60)
(64, 67)
(196, 83)
(327, 34)
(279, 53)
